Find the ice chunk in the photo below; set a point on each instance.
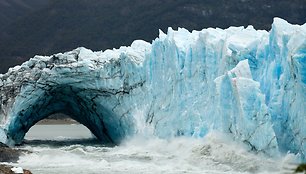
(17, 170)
(242, 70)
(3, 138)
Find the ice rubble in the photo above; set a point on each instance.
(245, 82)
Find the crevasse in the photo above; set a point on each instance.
(244, 82)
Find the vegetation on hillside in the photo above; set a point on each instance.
(62, 25)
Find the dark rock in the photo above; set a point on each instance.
(301, 168)
(10, 154)
(27, 172)
(3, 145)
(6, 169)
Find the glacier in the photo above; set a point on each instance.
(247, 83)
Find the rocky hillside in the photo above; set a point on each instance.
(43, 27)
(11, 10)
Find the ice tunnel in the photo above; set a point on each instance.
(247, 83)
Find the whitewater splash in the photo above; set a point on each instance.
(247, 83)
(215, 154)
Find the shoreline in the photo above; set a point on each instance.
(11, 155)
(57, 121)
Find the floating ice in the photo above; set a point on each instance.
(241, 81)
(17, 170)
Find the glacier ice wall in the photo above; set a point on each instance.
(241, 81)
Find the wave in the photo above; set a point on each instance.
(214, 154)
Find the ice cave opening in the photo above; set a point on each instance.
(64, 99)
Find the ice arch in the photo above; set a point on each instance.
(67, 100)
(72, 84)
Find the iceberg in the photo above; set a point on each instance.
(247, 83)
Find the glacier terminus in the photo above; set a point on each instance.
(247, 83)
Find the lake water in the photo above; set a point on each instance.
(72, 149)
